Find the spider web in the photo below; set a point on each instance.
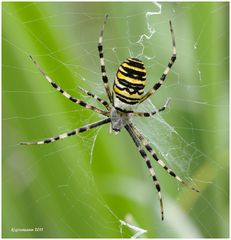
(73, 61)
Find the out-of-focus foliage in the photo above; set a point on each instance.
(83, 186)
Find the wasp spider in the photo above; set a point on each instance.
(127, 93)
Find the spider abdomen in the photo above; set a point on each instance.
(129, 84)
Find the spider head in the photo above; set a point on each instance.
(118, 119)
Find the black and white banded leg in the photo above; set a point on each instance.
(65, 94)
(70, 133)
(102, 63)
(102, 101)
(149, 165)
(167, 69)
(154, 155)
(149, 114)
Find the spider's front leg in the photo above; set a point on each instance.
(70, 133)
(149, 165)
(157, 159)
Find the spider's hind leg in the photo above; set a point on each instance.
(172, 60)
(66, 94)
(102, 63)
(102, 101)
(149, 114)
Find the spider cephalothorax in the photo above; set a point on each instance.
(127, 92)
(119, 119)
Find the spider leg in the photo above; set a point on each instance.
(149, 114)
(70, 133)
(102, 63)
(105, 103)
(149, 165)
(167, 69)
(67, 95)
(154, 155)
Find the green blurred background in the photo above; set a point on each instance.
(84, 186)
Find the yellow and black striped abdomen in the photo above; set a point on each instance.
(129, 83)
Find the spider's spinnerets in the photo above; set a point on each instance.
(129, 84)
